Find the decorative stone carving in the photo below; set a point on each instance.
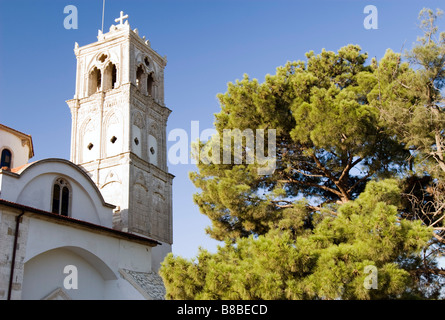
(138, 120)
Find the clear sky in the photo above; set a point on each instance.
(207, 44)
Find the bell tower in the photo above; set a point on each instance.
(118, 133)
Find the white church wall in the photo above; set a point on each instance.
(46, 246)
(97, 257)
(152, 150)
(114, 136)
(37, 193)
(19, 151)
(9, 189)
(45, 236)
(33, 187)
(134, 256)
(44, 273)
(137, 140)
(112, 192)
(158, 255)
(106, 253)
(7, 234)
(90, 141)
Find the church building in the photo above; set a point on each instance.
(96, 226)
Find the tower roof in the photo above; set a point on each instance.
(119, 29)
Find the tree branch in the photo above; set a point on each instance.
(349, 166)
(359, 181)
(316, 208)
(342, 193)
(308, 174)
(310, 184)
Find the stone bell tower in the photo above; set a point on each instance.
(119, 130)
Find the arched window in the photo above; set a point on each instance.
(139, 77)
(113, 77)
(61, 197)
(150, 81)
(6, 159)
(110, 76)
(94, 81)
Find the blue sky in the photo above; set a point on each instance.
(207, 44)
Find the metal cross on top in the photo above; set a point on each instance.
(121, 18)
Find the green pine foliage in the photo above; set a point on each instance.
(330, 142)
(358, 183)
(327, 263)
(409, 95)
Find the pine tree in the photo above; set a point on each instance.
(328, 263)
(329, 143)
(409, 96)
(332, 210)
